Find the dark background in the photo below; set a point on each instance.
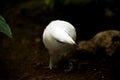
(24, 57)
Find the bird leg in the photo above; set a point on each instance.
(50, 63)
(54, 58)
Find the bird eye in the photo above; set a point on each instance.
(67, 33)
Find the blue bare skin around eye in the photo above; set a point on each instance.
(67, 33)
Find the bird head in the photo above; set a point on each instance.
(63, 37)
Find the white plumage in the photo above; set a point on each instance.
(58, 37)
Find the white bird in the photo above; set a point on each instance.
(58, 37)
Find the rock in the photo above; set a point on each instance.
(86, 46)
(109, 40)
